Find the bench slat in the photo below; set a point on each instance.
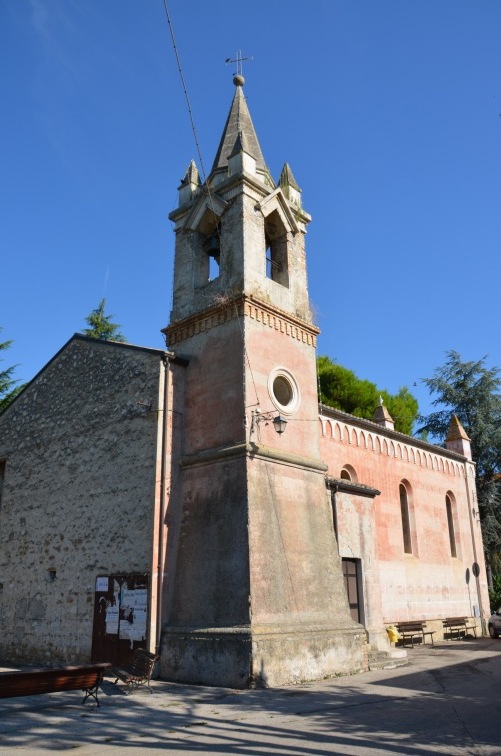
(39, 681)
(139, 670)
(456, 624)
(412, 629)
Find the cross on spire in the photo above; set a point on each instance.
(239, 61)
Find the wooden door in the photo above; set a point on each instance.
(351, 575)
(121, 608)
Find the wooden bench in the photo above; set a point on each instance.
(457, 625)
(35, 681)
(414, 629)
(138, 672)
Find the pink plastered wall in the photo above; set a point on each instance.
(430, 582)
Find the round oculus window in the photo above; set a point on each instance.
(283, 390)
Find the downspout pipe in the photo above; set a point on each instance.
(472, 529)
(163, 502)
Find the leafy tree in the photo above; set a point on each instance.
(403, 407)
(101, 326)
(8, 387)
(472, 392)
(342, 389)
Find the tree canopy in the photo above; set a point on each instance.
(342, 389)
(8, 384)
(101, 326)
(471, 391)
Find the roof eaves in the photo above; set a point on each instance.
(361, 422)
(113, 344)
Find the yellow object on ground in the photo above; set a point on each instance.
(393, 634)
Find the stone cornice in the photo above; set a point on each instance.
(309, 625)
(286, 457)
(229, 308)
(209, 456)
(252, 450)
(229, 188)
(347, 486)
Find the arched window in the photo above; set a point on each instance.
(406, 522)
(450, 525)
(208, 259)
(275, 234)
(348, 473)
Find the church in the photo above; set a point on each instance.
(199, 502)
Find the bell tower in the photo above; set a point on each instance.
(239, 233)
(257, 594)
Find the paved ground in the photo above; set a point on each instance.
(446, 701)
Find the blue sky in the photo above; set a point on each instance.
(388, 111)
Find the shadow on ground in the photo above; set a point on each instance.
(449, 707)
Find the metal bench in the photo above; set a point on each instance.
(457, 625)
(36, 681)
(138, 672)
(414, 629)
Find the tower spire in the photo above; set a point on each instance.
(239, 122)
(457, 439)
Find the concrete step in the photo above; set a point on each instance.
(387, 659)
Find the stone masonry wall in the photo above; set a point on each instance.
(78, 494)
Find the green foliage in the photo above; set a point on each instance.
(471, 391)
(8, 387)
(101, 326)
(342, 389)
(495, 593)
(403, 407)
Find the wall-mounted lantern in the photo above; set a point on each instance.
(279, 422)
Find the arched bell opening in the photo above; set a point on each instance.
(275, 235)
